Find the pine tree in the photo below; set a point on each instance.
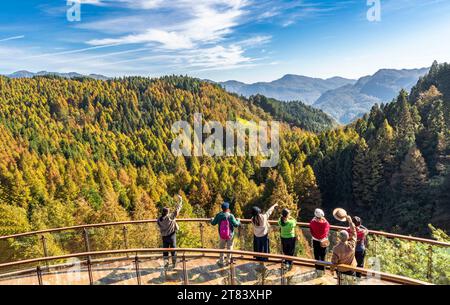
(13, 220)
(405, 124)
(201, 195)
(385, 150)
(145, 207)
(307, 191)
(215, 206)
(285, 172)
(281, 196)
(367, 171)
(413, 175)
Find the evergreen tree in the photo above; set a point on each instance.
(281, 196)
(366, 176)
(413, 175)
(307, 191)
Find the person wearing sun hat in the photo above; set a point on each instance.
(319, 228)
(344, 251)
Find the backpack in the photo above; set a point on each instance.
(225, 229)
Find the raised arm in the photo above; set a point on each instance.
(178, 209)
(352, 236)
(270, 210)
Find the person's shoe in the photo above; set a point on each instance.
(220, 264)
(166, 264)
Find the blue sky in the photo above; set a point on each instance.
(246, 40)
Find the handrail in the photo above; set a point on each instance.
(296, 260)
(300, 224)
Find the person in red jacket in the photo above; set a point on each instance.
(361, 242)
(319, 228)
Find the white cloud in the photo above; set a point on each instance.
(196, 23)
(170, 40)
(12, 38)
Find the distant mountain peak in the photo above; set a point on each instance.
(344, 99)
(290, 87)
(28, 74)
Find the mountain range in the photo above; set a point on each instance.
(344, 99)
(28, 74)
(289, 88)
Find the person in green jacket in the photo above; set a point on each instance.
(227, 222)
(288, 239)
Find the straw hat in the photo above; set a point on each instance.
(340, 214)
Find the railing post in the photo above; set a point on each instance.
(44, 246)
(201, 235)
(185, 273)
(232, 272)
(282, 274)
(39, 275)
(91, 278)
(125, 237)
(375, 246)
(87, 245)
(430, 263)
(138, 272)
(241, 232)
(339, 277)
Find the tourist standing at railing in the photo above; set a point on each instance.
(319, 228)
(344, 251)
(227, 222)
(361, 242)
(168, 228)
(261, 229)
(287, 231)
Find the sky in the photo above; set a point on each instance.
(245, 40)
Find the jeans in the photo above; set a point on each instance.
(288, 245)
(261, 244)
(228, 244)
(360, 255)
(319, 253)
(170, 241)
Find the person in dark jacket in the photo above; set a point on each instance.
(233, 223)
(168, 228)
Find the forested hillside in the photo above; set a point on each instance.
(83, 150)
(295, 113)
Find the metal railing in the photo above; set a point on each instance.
(207, 220)
(136, 255)
(126, 234)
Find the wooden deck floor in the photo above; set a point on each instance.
(200, 270)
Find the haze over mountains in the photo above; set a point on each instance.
(343, 99)
(290, 87)
(28, 74)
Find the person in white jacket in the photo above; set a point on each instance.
(261, 229)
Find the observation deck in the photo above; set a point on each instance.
(128, 253)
